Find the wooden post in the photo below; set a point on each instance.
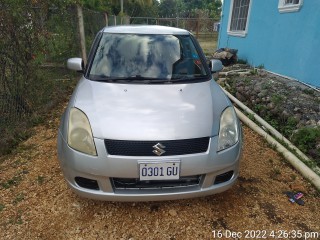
(121, 4)
(106, 18)
(82, 35)
(197, 33)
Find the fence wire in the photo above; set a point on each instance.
(35, 43)
(201, 25)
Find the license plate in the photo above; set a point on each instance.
(159, 171)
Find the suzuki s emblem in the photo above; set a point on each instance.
(158, 149)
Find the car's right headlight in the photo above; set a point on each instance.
(80, 135)
(229, 132)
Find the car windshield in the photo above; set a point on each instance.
(147, 58)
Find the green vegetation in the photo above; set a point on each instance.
(190, 8)
(270, 106)
(289, 126)
(261, 66)
(2, 206)
(17, 219)
(277, 99)
(251, 117)
(33, 59)
(275, 173)
(308, 91)
(155, 8)
(40, 179)
(284, 125)
(305, 139)
(247, 81)
(259, 107)
(12, 182)
(18, 198)
(254, 71)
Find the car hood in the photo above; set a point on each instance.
(151, 111)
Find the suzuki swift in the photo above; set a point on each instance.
(147, 122)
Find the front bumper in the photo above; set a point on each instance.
(104, 167)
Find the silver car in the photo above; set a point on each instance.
(146, 121)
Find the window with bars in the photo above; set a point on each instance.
(292, 1)
(239, 17)
(289, 5)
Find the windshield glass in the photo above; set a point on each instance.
(146, 57)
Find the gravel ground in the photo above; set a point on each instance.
(35, 202)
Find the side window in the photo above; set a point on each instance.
(289, 5)
(238, 19)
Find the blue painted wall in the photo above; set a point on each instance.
(284, 43)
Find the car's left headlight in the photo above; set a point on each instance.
(79, 133)
(229, 130)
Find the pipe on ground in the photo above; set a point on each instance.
(272, 130)
(295, 162)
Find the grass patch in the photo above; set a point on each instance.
(40, 179)
(275, 173)
(18, 219)
(12, 182)
(208, 43)
(2, 206)
(18, 198)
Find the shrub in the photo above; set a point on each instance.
(307, 139)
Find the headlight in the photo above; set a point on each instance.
(79, 133)
(229, 132)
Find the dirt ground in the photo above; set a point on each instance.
(35, 202)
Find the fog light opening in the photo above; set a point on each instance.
(223, 177)
(87, 183)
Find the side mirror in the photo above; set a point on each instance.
(215, 65)
(75, 64)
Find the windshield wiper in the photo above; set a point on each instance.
(147, 80)
(102, 77)
(143, 79)
(178, 78)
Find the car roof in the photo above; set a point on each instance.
(146, 29)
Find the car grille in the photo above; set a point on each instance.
(146, 148)
(135, 183)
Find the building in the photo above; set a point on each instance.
(282, 36)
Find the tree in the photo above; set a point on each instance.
(212, 6)
(170, 8)
(138, 2)
(189, 8)
(98, 5)
(145, 10)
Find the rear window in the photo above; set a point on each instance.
(148, 58)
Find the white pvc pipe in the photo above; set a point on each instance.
(273, 131)
(295, 162)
